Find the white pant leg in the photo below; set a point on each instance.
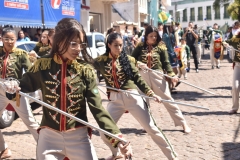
(50, 145)
(24, 111)
(212, 58)
(116, 109)
(137, 107)
(236, 87)
(160, 87)
(78, 145)
(3, 145)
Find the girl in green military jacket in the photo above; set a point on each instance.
(120, 71)
(152, 53)
(68, 83)
(12, 62)
(234, 42)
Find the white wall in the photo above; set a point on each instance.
(204, 23)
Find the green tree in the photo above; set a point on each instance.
(233, 9)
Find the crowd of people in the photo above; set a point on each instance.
(68, 82)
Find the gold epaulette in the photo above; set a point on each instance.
(84, 69)
(103, 57)
(131, 59)
(41, 64)
(19, 51)
(162, 45)
(140, 44)
(235, 39)
(39, 44)
(44, 48)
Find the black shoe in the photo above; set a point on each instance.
(177, 84)
(218, 67)
(212, 67)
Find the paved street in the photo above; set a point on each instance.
(213, 132)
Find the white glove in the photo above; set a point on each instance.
(10, 86)
(142, 65)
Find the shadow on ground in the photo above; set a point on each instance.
(231, 151)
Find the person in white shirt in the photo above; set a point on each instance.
(160, 29)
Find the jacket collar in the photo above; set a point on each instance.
(58, 59)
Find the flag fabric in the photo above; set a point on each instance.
(163, 16)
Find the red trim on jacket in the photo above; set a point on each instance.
(4, 68)
(63, 95)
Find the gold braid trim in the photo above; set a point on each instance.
(150, 93)
(132, 59)
(41, 64)
(102, 58)
(162, 45)
(235, 39)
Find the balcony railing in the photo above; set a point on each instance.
(200, 17)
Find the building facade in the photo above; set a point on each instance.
(199, 12)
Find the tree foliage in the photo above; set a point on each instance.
(233, 9)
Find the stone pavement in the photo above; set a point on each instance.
(214, 133)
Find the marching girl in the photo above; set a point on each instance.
(152, 53)
(68, 83)
(235, 43)
(120, 71)
(12, 63)
(43, 50)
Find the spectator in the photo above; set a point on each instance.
(21, 37)
(178, 33)
(160, 29)
(198, 44)
(191, 35)
(235, 29)
(215, 36)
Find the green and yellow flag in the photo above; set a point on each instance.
(163, 16)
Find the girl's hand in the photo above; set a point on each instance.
(175, 79)
(126, 150)
(157, 98)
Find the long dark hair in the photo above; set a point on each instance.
(149, 30)
(123, 59)
(65, 31)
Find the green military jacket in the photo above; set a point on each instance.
(156, 60)
(235, 42)
(67, 86)
(45, 50)
(209, 35)
(13, 63)
(116, 78)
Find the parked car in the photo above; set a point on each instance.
(8, 114)
(97, 47)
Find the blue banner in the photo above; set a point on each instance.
(55, 10)
(22, 13)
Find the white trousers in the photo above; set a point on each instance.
(236, 86)
(120, 102)
(213, 59)
(24, 111)
(160, 87)
(199, 51)
(75, 144)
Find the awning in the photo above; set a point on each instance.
(55, 10)
(24, 13)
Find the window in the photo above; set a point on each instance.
(184, 15)
(200, 14)
(226, 15)
(178, 16)
(192, 15)
(217, 13)
(209, 13)
(99, 38)
(171, 13)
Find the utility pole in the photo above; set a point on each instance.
(42, 13)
